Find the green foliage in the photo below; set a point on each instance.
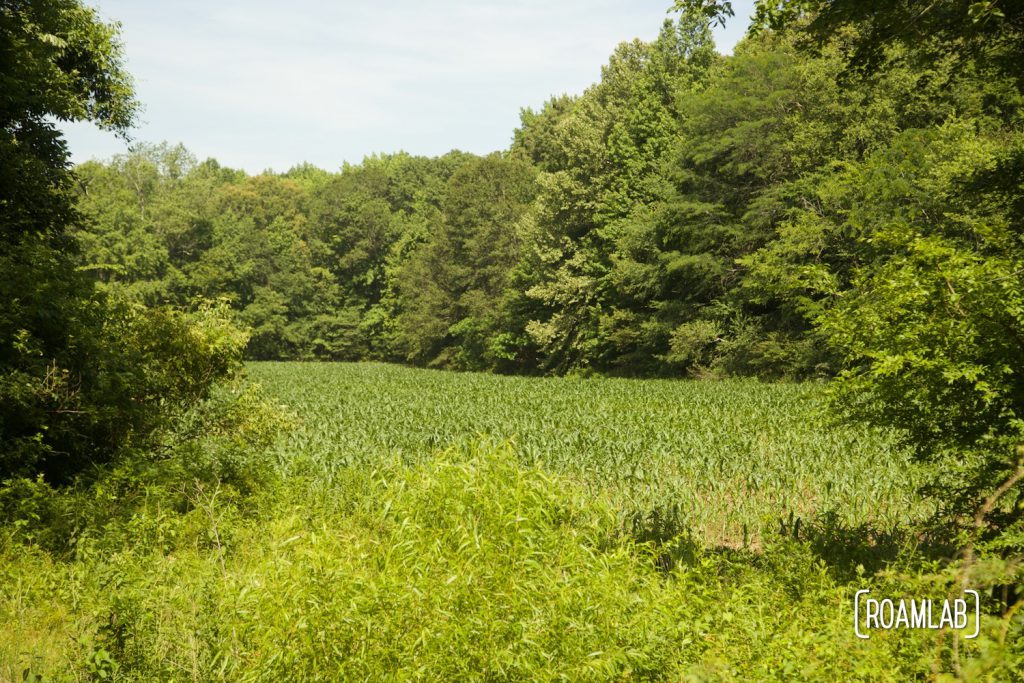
(691, 342)
(473, 559)
(966, 29)
(146, 367)
(657, 445)
(220, 443)
(83, 375)
(841, 197)
(907, 256)
(611, 143)
(450, 288)
(57, 59)
(683, 189)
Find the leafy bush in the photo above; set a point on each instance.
(123, 383)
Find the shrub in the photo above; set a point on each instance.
(117, 386)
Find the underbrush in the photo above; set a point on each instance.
(468, 566)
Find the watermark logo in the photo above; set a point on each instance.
(888, 614)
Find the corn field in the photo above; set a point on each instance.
(724, 460)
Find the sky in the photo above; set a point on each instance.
(266, 85)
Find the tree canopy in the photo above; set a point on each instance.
(82, 375)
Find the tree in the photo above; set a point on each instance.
(969, 30)
(602, 157)
(451, 287)
(916, 282)
(81, 376)
(57, 61)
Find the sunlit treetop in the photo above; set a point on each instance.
(58, 61)
(960, 27)
(57, 58)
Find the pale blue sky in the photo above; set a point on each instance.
(259, 84)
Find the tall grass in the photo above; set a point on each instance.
(427, 526)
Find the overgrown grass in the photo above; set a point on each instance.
(383, 555)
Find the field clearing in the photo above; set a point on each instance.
(440, 526)
(725, 460)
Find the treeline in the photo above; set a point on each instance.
(688, 214)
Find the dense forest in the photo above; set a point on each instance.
(841, 199)
(688, 214)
